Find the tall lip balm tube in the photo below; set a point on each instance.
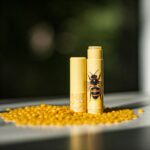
(95, 80)
(78, 84)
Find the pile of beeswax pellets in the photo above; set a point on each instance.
(50, 115)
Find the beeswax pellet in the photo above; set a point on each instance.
(50, 115)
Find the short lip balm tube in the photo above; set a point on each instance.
(78, 84)
(95, 80)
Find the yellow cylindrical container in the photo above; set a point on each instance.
(78, 84)
(95, 80)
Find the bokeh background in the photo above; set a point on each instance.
(37, 40)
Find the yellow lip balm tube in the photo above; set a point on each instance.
(78, 80)
(95, 80)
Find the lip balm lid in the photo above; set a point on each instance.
(78, 74)
(95, 52)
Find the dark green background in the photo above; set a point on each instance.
(73, 26)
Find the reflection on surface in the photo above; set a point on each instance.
(87, 141)
(135, 139)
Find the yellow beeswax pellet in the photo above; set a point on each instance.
(50, 115)
(140, 111)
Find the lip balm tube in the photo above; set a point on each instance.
(78, 82)
(95, 80)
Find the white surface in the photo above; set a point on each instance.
(11, 134)
(144, 46)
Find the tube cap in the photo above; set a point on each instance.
(95, 52)
(78, 84)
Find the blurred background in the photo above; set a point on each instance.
(37, 40)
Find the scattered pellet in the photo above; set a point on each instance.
(51, 115)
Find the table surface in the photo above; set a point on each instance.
(128, 135)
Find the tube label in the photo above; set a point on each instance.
(95, 86)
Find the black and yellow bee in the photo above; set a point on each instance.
(95, 85)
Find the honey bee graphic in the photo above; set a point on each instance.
(95, 85)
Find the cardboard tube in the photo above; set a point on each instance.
(95, 80)
(78, 84)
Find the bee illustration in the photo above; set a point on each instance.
(95, 85)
